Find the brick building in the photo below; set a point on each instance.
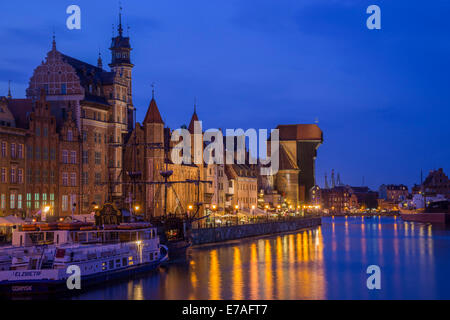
(393, 193)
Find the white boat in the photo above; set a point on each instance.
(41, 261)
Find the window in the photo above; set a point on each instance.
(52, 199)
(45, 153)
(63, 88)
(3, 175)
(73, 179)
(30, 152)
(20, 151)
(38, 131)
(65, 156)
(3, 149)
(12, 201)
(85, 178)
(98, 156)
(38, 176)
(84, 134)
(37, 153)
(3, 201)
(69, 135)
(52, 177)
(85, 201)
(44, 199)
(36, 201)
(65, 202)
(20, 175)
(52, 154)
(98, 178)
(65, 179)
(29, 175)
(73, 157)
(45, 132)
(13, 150)
(28, 200)
(19, 201)
(85, 157)
(13, 175)
(45, 176)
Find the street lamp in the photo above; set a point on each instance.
(253, 213)
(45, 211)
(214, 207)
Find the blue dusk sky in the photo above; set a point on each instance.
(381, 97)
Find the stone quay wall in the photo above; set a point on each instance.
(219, 234)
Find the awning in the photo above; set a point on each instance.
(10, 221)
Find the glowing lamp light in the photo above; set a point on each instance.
(236, 207)
(214, 207)
(253, 207)
(46, 209)
(137, 208)
(139, 242)
(190, 207)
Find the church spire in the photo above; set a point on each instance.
(99, 60)
(194, 118)
(9, 90)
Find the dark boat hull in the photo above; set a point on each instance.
(177, 249)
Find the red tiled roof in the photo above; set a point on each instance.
(153, 115)
(191, 124)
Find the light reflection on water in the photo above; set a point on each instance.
(328, 262)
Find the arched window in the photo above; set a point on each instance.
(69, 135)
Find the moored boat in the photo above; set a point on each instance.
(42, 261)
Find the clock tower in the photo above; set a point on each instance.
(122, 66)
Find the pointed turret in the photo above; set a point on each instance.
(153, 115)
(100, 61)
(193, 119)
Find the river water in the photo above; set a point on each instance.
(328, 262)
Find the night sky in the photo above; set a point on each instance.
(381, 97)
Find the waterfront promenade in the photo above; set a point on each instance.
(243, 230)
